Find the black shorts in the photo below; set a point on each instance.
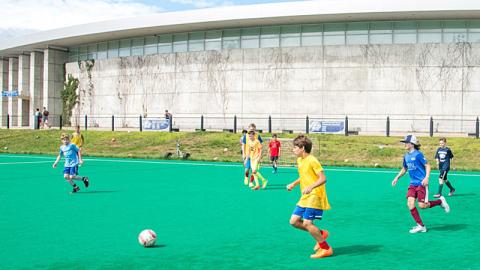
(273, 158)
(443, 174)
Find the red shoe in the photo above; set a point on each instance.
(322, 253)
(325, 236)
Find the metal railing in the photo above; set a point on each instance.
(231, 123)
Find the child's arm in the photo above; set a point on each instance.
(56, 161)
(400, 174)
(293, 184)
(428, 168)
(80, 160)
(322, 179)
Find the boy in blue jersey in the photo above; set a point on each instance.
(73, 158)
(444, 158)
(419, 170)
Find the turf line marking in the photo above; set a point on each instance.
(23, 162)
(225, 165)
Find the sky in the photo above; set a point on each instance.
(21, 17)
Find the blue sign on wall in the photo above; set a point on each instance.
(157, 124)
(327, 126)
(13, 93)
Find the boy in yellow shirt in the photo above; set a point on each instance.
(314, 199)
(253, 153)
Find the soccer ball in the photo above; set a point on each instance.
(147, 238)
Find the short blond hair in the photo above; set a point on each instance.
(64, 136)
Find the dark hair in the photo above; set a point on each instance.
(417, 147)
(301, 141)
(244, 131)
(443, 139)
(274, 135)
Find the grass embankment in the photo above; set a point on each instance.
(338, 150)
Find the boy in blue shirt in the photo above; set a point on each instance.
(444, 158)
(73, 158)
(419, 170)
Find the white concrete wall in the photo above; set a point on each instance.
(13, 86)
(412, 81)
(36, 84)
(3, 87)
(53, 79)
(24, 90)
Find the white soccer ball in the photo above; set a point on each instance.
(147, 238)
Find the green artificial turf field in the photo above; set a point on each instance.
(205, 218)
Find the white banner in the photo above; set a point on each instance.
(318, 126)
(156, 124)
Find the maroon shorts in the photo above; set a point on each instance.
(416, 192)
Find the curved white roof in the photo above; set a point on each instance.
(244, 16)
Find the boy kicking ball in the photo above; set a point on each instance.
(73, 158)
(419, 170)
(314, 196)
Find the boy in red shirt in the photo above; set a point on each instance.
(274, 147)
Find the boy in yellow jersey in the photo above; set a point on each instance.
(314, 196)
(254, 153)
(77, 138)
(246, 159)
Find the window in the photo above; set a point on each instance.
(165, 44)
(429, 32)
(102, 50)
(290, 36)
(231, 39)
(82, 53)
(334, 34)
(357, 33)
(92, 51)
(213, 40)
(73, 54)
(381, 33)
(250, 38)
(196, 41)
(454, 31)
(270, 37)
(180, 42)
(312, 35)
(151, 45)
(124, 48)
(405, 32)
(137, 46)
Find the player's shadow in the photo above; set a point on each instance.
(464, 194)
(158, 246)
(97, 191)
(356, 250)
(276, 187)
(448, 227)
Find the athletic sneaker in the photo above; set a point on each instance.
(451, 192)
(444, 204)
(418, 228)
(251, 185)
(245, 181)
(322, 253)
(264, 183)
(438, 195)
(75, 189)
(85, 181)
(256, 188)
(325, 236)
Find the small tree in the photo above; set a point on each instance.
(69, 98)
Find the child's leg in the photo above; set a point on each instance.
(68, 179)
(414, 211)
(440, 185)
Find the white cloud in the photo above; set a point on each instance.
(23, 16)
(203, 3)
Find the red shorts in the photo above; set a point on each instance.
(416, 192)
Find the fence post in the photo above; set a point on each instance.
(201, 123)
(431, 126)
(234, 124)
(269, 124)
(61, 122)
(388, 126)
(140, 123)
(307, 125)
(86, 122)
(346, 125)
(477, 129)
(170, 126)
(8, 121)
(113, 123)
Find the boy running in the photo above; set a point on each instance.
(314, 196)
(253, 154)
(73, 157)
(444, 158)
(419, 171)
(274, 147)
(244, 140)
